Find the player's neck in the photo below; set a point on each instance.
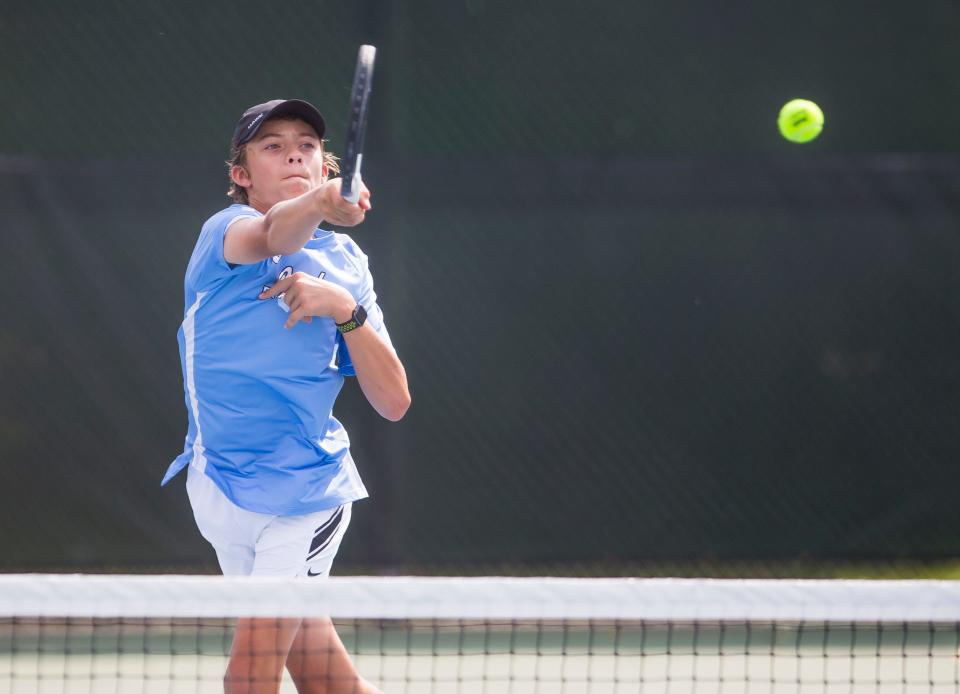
(259, 205)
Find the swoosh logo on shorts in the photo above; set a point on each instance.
(311, 574)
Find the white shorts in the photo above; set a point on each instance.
(258, 544)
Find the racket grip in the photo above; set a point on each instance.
(353, 194)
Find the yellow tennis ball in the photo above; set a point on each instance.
(800, 120)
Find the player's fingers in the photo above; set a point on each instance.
(271, 292)
(279, 288)
(294, 316)
(293, 304)
(357, 210)
(350, 217)
(308, 319)
(364, 197)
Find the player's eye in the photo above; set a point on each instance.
(272, 145)
(309, 145)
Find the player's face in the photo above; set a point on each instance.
(284, 160)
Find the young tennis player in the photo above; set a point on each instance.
(278, 311)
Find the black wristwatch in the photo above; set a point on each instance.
(356, 320)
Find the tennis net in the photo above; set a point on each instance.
(414, 635)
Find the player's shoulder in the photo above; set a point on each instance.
(346, 242)
(218, 219)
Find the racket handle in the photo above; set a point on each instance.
(353, 195)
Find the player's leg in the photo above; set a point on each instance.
(258, 655)
(260, 646)
(319, 663)
(248, 543)
(230, 529)
(306, 546)
(312, 651)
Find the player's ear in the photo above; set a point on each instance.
(240, 176)
(324, 172)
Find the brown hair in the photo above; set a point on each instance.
(238, 157)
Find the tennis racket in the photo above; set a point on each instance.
(357, 124)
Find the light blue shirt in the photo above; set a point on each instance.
(260, 397)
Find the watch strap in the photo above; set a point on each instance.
(357, 319)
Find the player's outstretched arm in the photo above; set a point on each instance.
(289, 224)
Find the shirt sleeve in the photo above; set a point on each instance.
(207, 264)
(368, 299)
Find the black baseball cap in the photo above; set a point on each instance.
(255, 116)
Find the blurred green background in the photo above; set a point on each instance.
(644, 334)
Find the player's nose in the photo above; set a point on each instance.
(295, 160)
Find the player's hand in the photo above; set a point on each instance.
(338, 211)
(308, 296)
